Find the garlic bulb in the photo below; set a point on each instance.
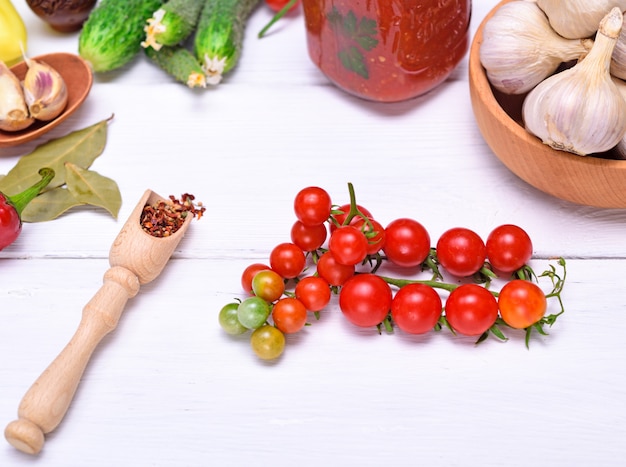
(520, 49)
(576, 19)
(580, 109)
(13, 111)
(44, 90)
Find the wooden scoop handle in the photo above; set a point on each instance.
(46, 402)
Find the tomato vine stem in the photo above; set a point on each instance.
(282, 12)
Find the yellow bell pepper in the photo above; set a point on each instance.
(13, 35)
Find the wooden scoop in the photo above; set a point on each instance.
(136, 258)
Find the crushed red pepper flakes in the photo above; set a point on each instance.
(164, 219)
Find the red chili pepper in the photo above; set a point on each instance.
(11, 208)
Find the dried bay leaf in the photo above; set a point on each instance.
(49, 205)
(89, 187)
(80, 147)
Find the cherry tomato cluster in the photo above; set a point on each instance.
(347, 247)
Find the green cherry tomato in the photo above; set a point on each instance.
(267, 342)
(228, 320)
(253, 312)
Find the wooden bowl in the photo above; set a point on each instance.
(587, 180)
(78, 78)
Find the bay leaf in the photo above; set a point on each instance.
(79, 147)
(49, 205)
(89, 187)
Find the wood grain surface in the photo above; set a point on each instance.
(168, 388)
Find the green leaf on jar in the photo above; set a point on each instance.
(80, 147)
(366, 36)
(49, 205)
(349, 24)
(89, 187)
(360, 34)
(352, 59)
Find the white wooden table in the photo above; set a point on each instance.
(169, 388)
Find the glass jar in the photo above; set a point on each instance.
(387, 50)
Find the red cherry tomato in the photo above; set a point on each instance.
(278, 5)
(313, 292)
(461, 251)
(376, 241)
(288, 260)
(348, 245)
(289, 315)
(312, 205)
(365, 300)
(407, 243)
(336, 274)
(522, 303)
(471, 309)
(342, 213)
(268, 285)
(249, 273)
(509, 248)
(416, 308)
(308, 237)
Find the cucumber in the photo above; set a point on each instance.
(219, 35)
(112, 34)
(180, 63)
(172, 23)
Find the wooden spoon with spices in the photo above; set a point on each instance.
(136, 257)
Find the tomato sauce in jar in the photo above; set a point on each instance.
(387, 50)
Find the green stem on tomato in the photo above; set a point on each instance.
(558, 282)
(433, 283)
(283, 11)
(354, 210)
(386, 323)
(21, 200)
(432, 263)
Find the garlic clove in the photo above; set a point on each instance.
(620, 150)
(618, 59)
(520, 49)
(13, 110)
(44, 90)
(581, 110)
(576, 19)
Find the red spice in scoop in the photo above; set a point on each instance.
(164, 219)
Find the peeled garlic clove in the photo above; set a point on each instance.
(576, 19)
(520, 49)
(13, 111)
(44, 90)
(580, 109)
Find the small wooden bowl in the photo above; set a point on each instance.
(78, 78)
(589, 180)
